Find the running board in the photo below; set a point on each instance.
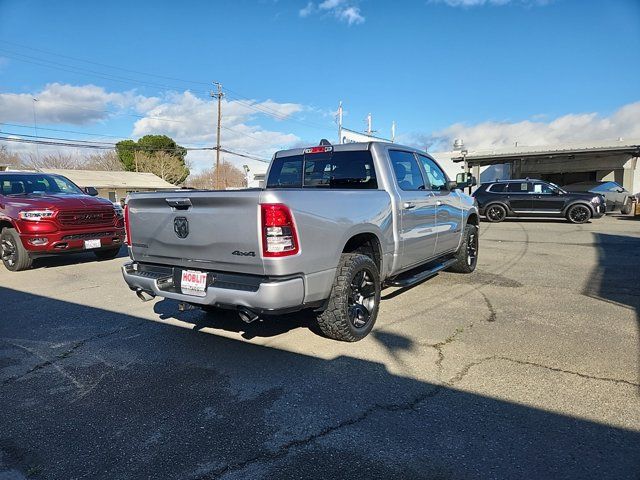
(407, 281)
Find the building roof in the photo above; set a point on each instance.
(103, 179)
(631, 146)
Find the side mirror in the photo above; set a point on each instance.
(91, 191)
(451, 185)
(465, 179)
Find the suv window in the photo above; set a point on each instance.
(544, 188)
(336, 170)
(497, 187)
(436, 178)
(518, 187)
(406, 169)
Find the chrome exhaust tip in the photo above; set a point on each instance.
(247, 316)
(144, 295)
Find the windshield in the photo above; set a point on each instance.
(28, 184)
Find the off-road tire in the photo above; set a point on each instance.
(107, 254)
(466, 258)
(572, 213)
(21, 260)
(335, 321)
(500, 214)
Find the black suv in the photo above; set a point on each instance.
(535, 198)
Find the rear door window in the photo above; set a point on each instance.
(407, 171)
(518, 187)
(498, 187)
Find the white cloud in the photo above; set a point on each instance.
(344, 10)
(478, 3)
(63, 103)
(192, 120)
(571, 128)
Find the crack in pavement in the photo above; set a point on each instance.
(465, 370)
(284, 449)
(66, 354)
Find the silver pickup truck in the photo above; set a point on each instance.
(334, 225)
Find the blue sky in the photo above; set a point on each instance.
(491, 71)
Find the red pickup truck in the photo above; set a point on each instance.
(42, 214)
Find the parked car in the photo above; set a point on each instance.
(616, 197)
(332, 227)
(43, 214)
(535, 198)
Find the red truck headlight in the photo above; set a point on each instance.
(36, 215)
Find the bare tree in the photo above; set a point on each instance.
(9, 158)
(168, 167)
(107, 161)
(230, 176)
(59, 160)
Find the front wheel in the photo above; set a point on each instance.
(14, 256)
(467, 255)
(354, 301)
(627, 207)
(579, 214)
(107, 254)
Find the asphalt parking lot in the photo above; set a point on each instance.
(528, 368)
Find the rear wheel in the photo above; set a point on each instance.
(467, 255)
(14, 256)
(107, 254)
(354, 301)
(626, 208)
(496, 213)
(579, 214)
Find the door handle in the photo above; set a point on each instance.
(408, 205)
(438, 203)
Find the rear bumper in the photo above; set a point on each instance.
(257, 293)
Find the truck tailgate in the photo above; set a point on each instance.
(206, 230)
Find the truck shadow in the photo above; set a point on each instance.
(616, 278)
(65, 259)
(88, 392)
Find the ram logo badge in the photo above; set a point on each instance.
(181, 227)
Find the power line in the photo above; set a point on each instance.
(19, 125)
(65, 142)
(237, 97)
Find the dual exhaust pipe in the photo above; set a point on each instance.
(245, 314)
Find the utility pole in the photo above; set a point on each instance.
(369, 124)
(340, 122)
(219, 96)
(35, 127)
(393, 131)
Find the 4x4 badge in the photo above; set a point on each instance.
(181, 227)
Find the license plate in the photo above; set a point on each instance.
(89, 244)
(193, 283)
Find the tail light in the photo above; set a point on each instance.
(127, 227)
(279, 236)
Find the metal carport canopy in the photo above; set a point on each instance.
(504, 155)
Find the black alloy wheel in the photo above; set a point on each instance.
(579, 214)
(361, 299)
(496, 213)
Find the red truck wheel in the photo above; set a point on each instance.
(14, 256)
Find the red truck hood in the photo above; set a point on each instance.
(60, 202)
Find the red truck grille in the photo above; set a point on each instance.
(86, 217)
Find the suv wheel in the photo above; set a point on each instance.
(496, 213)
(467, 255)
(14, 256)
(626, 207)
(354, 301)
(579, 214)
